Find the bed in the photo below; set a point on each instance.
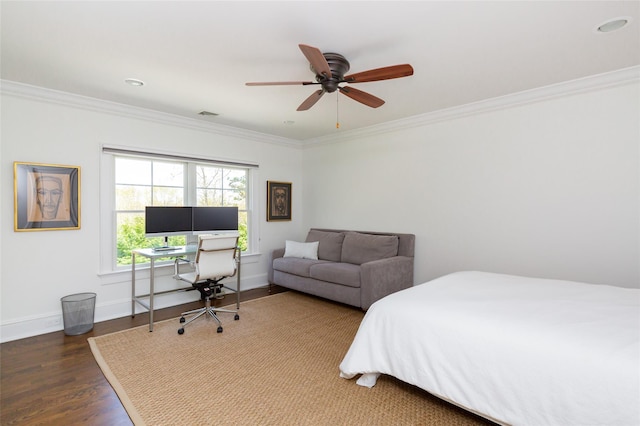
(516, 350)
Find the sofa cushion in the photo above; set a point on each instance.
(330, 244)
(301, 250)
(359, 248)
(339, 273)
(295, 265)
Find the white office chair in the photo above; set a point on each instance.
(215, 260)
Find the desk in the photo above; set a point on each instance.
(152, 255)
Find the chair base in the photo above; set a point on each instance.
(208, 309)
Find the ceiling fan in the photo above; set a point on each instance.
(330, 68)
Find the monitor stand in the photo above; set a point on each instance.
(165, 247)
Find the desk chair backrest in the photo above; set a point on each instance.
(216, 256)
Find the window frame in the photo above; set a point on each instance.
(108, 216)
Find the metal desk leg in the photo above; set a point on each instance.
(152, 274)
(238, 282)
(133, 284)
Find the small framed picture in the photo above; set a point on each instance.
(278, 201)
(46, 197)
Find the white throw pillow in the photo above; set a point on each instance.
(301, 250)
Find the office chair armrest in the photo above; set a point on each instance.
(177, 262)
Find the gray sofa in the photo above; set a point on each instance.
(352, 267)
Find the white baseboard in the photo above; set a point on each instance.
(53, 321)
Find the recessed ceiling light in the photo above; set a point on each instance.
(613, 24)
(134, 82)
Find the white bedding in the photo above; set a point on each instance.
(518, 350)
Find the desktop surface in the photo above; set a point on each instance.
(170, 251)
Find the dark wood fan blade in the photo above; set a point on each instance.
(362, 97)
(281, 83)
(316, 59)
(385, 73)
(311, 100)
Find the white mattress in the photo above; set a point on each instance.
(518, 350)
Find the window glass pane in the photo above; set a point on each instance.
(242, 231)
(209, 197)
(208, 177)
(234, 198)
(129, 197)
(234, 178)
(133, 171)
(168, 174)
(130, 236)
(238, 183)
(163, 196)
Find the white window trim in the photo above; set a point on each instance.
(107, 204)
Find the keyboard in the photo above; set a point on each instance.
(164, 248)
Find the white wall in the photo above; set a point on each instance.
(547, 189)
(38, 268)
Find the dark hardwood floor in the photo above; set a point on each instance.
(53, 379)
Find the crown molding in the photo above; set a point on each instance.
(596, 82)
(27, 91)
(587, 84)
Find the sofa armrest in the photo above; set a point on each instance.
(274, 255)
(385, 276)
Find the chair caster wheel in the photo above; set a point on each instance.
(237, 317)
(220, 329)
(182, 320)
(181, 331)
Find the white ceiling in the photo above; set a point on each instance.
(196, 56)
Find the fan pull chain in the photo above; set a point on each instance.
(337, 111)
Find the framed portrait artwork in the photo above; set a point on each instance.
(46, 197)
(278, 201)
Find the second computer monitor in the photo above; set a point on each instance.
(207, 220)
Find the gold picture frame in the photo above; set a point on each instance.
(46, 197)
(278, 201)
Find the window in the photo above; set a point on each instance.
(220, 187)
(144, 180)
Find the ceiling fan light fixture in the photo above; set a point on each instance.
(613, 24)
(330, 69)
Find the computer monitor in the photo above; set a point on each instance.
(207, 220)
(163, 221)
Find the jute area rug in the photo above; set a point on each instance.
(277, 365)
